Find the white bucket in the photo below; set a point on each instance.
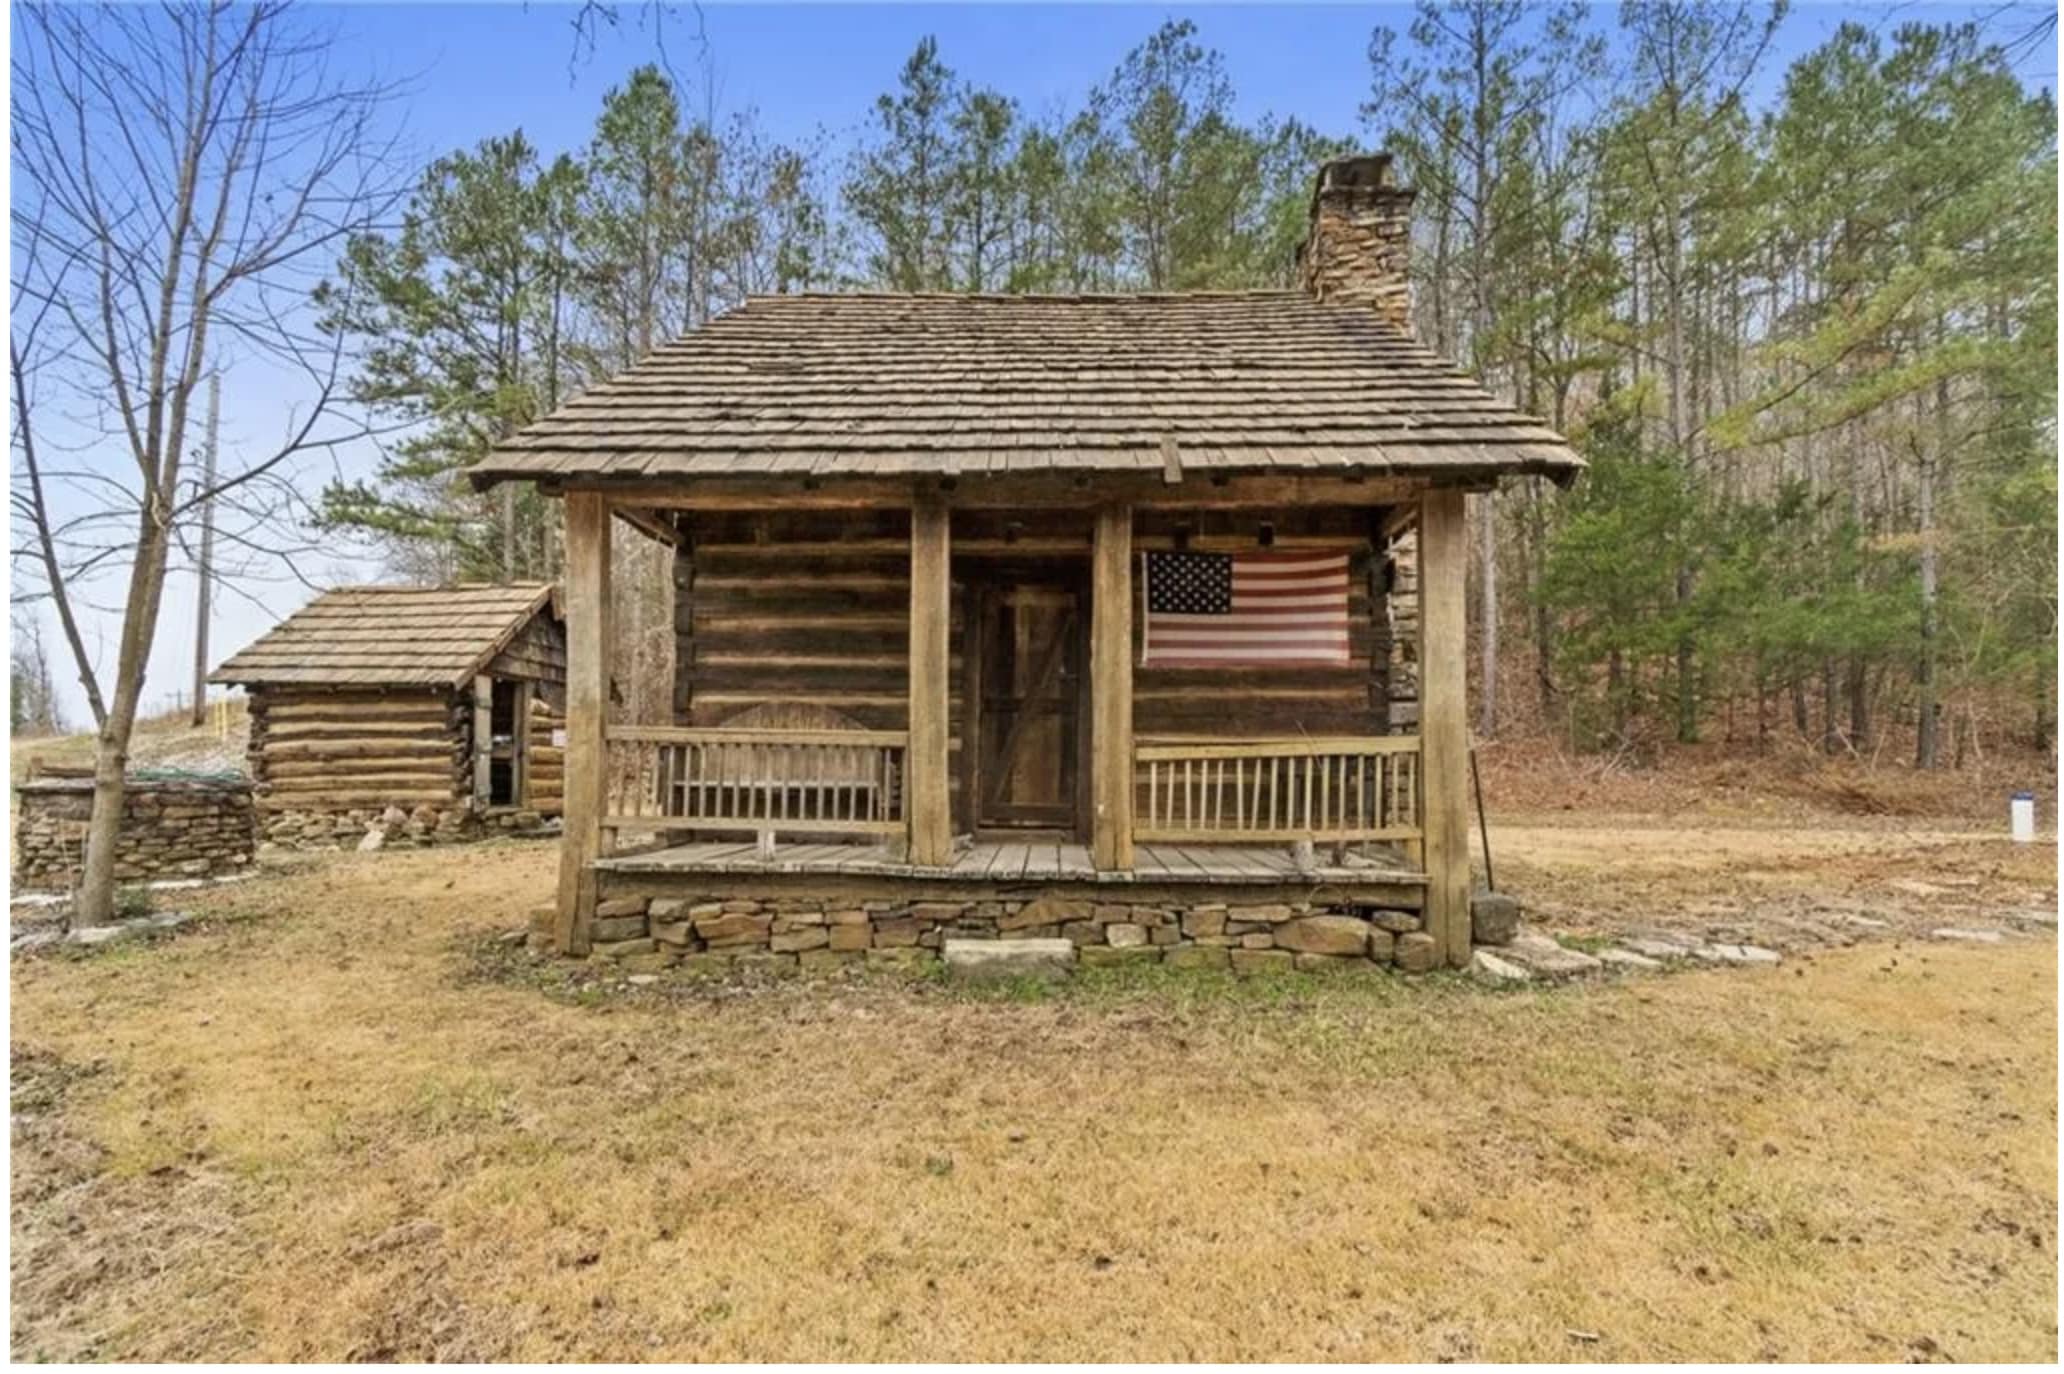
(2021, 811)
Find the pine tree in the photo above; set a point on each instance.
(901, 186)
(451, 310)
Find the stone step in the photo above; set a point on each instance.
(1491, 969)
(1736, 954)
(1540, 955)
(1042, 958)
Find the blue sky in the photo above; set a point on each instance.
(484, 69)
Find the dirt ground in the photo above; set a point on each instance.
(337, 1119)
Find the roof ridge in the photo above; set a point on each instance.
(436, 587)
(1016, 297)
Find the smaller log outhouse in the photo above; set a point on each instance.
(444, 704)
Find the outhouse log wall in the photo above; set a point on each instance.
(330, 750)
(326, 765)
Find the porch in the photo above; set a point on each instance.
(984, 729)
(1034, 862)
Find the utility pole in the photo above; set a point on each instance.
(207, 562)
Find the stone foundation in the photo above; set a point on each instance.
(398, 828)
(185, 828)
(712, 932)
(421, 825)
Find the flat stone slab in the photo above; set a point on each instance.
(1737, 954)
(1539, 954)
(1009, 958)
(1655, 949)
(1627, 958)
(1493, 969)
(1975, 937)
(90, 936)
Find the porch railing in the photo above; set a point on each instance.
(1278, 790)
(829, 781)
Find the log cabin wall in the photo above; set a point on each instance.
(801, 618)
(1247, 702)
(1397, 642)
(545, 773)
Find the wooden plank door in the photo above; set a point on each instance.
(1027, 675)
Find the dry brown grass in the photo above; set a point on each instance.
(323, 1132)
(160, 741)
(1788, 781)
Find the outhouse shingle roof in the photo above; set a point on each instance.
(388, 637)
(882, 385)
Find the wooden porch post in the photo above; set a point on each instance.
(1110, 688)
(588, 641)
(1444, 721)
(925, 781)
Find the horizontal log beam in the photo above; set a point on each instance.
(328, 770)
(276, 748)
(676, 734)
(1146, 491)
(1161, 748)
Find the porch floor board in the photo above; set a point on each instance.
(1017, 862)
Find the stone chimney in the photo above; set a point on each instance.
(1358, 250)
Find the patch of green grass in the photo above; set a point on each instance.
(443, 1105)
(1584, 944)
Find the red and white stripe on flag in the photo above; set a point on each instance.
(1284, 608)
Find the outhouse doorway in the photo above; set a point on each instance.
(502, 709)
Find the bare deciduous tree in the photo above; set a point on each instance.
(181, 175)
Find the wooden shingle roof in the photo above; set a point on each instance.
(388, 637)
(880, 385)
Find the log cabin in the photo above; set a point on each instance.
(1132, 619)
(434, 713)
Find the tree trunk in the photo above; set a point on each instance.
(95, 903)
(1830, 708)
(1859, 702)
(1616, 694)
(1926, 748)
(508, 531)
(204, 584)
(1802, 721)
(1687, 675)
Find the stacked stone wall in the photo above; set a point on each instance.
(399, 828)
(170, 829)
(715, 932)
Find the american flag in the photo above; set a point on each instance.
(1257, 609)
